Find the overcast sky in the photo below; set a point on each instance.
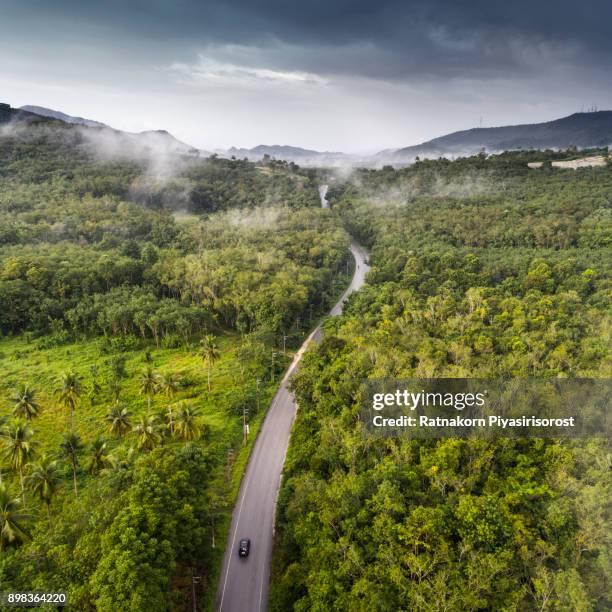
(332, 75)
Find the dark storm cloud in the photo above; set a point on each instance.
(336, 75)
(384, 39)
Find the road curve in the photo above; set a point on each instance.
(244, 582)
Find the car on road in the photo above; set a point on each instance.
(244, 547)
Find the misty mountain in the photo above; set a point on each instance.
(298, 155)
(53, 114)
(581, 130)
(277, 151)
(8, 114)
(153, 146)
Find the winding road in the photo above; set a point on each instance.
(244, 582)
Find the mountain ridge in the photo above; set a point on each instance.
(285, 152)
(581, 130)
(54, 114)
(107, 139)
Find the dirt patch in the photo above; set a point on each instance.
(573, 164)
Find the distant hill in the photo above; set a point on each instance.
(7, 114)
(278, 151)
(581, 130)
(152, 145)
(306, 157)
(53, 114)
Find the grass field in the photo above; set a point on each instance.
(22, 362)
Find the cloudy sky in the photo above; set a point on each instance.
(326, 74)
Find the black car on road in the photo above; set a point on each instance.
(244, 547)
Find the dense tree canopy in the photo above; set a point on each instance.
(480, 268)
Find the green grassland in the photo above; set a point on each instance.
(221, 416)
(43, 368)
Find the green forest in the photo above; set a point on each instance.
(143, 320)
(481, 268)
(146, 316)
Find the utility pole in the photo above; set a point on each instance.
(258, 382)
(284, 345)
(272, 371)
(245, 427)
(230, 457)
(194, 580)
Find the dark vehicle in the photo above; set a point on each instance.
(244, 547)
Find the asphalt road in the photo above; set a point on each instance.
(244, 582)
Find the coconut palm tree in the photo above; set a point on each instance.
(18, 449)
(98, 456)
(12, 531)
(147, 432)
(149, 381)
(24, 402)
(94, 386)
(187, 423)
(209, 353)
(121, 459)
(43, 480)
(119, 420)
(165, 419)
(3, 420)
(168, 385)
(70, 447)
(69, 392)
(114, 386)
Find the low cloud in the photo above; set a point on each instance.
(209, 69)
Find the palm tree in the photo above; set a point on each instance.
(95, 387)
(187, 425)
(12, 532)
(24, 402)
(19, 449)
(119, 420)
(70, 446)
(3, 420)
(168, 385)
(43, 480)
(98, 458)
(121, 459)
(210, 353)
(165, 420)
(114, 386)
(149, 381)
(69, 392)
(147, 432)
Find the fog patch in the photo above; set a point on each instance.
(259, 218)
(161, 155)
(161, 191)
